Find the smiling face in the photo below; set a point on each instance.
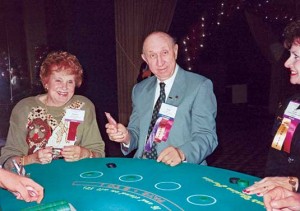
(160, 53)
(293, 64)
(61, 88)
(60, 73)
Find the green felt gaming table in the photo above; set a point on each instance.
(137, 184)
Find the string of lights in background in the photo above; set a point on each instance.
(211, 19)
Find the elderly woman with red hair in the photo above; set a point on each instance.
(57, 123)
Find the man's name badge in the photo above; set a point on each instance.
(164, 122)
(75, 117)
(285, 132)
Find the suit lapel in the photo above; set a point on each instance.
(148, 98)
(178, 88)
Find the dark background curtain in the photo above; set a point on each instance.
(135, 19)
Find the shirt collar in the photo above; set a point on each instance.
(169, 82)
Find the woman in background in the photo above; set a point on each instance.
(283, 164)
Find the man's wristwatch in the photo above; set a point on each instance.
(293, 183)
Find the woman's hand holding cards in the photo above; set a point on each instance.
(44, 156)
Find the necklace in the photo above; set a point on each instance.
(47, 111)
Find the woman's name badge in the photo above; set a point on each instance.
(164, 122)
(75, 117)
(292, 110)
(285, 132)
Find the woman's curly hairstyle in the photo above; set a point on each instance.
(292, 34)
(61, 61)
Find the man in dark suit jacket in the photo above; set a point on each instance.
(193, 134)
